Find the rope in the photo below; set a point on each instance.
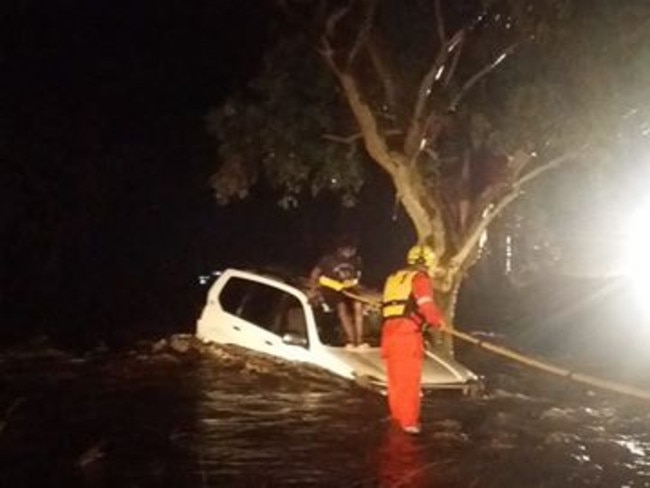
(603, 384)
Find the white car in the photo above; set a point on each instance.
(274, 316)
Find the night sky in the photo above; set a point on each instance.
(107, 214)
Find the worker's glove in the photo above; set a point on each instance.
(427, 327)
(443, 326)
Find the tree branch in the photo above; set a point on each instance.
(355, 137)
(454, 63)
(374, 142)
(364, 31)
(436, 71)
(440, 24)
(384, 75)
(552, 164)
(493, 210)
(343, 139)
(395, 165)
(414, 132)
(334, 18)
(412, 195)
(480, 74)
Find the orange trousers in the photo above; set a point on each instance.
(402, 348)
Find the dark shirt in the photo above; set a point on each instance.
(340, 268)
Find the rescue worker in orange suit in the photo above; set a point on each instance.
(408, 307)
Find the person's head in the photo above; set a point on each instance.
(422, 256)
(346, 246)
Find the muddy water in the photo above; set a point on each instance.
(158, 416)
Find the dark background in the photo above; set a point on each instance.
(107, 216)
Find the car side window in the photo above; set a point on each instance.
(260, 307)
(291, 318)
(233, 295)
(254, 302)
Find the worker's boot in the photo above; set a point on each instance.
(412, 429)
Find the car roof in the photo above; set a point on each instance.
(279, 274)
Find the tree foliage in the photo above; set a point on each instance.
(462, 103)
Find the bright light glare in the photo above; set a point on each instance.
(637, 254)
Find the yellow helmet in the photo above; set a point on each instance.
(421, 254)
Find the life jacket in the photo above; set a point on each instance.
(398, 300)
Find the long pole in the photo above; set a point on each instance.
(601, 383)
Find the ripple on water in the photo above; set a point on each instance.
(230, 418)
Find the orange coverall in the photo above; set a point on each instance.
(402, 347)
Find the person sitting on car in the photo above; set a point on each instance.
(333, 275)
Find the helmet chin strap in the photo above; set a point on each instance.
(423, 267)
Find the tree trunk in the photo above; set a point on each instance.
(419, 205)
(446, 300)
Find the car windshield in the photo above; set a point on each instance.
(330, 330)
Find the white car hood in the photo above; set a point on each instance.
(368, 363)
(364, 362)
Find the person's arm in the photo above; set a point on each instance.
(423, 294)
(314, 275)
(313, 291)
(359, 268)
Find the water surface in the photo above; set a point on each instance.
(156, 416)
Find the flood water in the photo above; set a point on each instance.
(220, 417)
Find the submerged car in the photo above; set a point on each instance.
(273, 315)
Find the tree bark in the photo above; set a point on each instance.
(446, 301)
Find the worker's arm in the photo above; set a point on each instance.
(423, 294)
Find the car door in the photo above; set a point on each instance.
(259, 314)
